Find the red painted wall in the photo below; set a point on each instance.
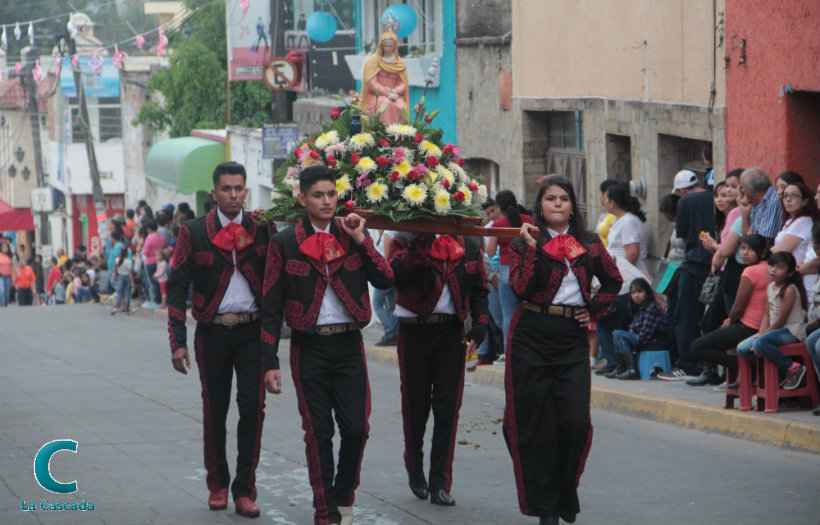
(782, 47)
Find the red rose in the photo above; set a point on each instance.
(412, 174)
(383, 143)
(297, 152)
(473, 186)
(334, 113)
(419, 138)
(459, 196)
(349, 205)
(331, 161)
(354, 158)
(432, 161)
(460, 162)
(448, 149)
(395, 176)
(445, 183)
(314, 154)
(381, 161)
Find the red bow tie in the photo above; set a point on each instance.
(564, 246)
(322, 247)
(233, 236)
(445, 248)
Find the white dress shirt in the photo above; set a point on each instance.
(570, 291)
(444, 305)
(238, 297)
(333, 310)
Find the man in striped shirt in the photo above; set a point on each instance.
(766, 214)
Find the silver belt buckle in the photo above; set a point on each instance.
(230, 319)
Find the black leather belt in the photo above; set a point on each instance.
(429, 319)
(337, 328)
(557, 310)
(232, 319)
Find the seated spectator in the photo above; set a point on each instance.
(801, 214)
(784, 323)
(745, 316)
(784, 179)
(646, 332)
(813, 324)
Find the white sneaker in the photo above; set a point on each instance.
(676, 374)
(347, 515)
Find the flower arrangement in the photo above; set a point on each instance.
(402, 171)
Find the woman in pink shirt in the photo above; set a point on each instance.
(6, 270)
(153, 242)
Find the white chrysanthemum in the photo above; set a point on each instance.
(415, 194)
(441, 201)
(376, 192)
(468, 195)
(365, 165)
(458, 170)
(428, 149)
(481, 194)
(343, 185)
(444, 174)
(401, 130)
(293, 185)
(328, 139)
(360, 142)
(308, 161)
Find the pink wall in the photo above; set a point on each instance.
(782, 47)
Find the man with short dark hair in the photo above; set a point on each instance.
(223, 254)
(765, 217)
(317, 278)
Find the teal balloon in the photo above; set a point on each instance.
(407, 17)
(321, 26)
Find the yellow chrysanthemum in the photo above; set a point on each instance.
(328, 139)
(360, 141)
(308, 161)
(403, 168)
(365, 165)
(458, 170)
(376, 192)
(441, 202)
(443, 173)
(428, 149)
(414, 194)
(401, 130)
(343, 185)
(468, 195)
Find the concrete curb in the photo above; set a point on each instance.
(787, 434)
(781, 433)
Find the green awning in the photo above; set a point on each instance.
(184, 164)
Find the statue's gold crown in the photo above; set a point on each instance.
(390, 23)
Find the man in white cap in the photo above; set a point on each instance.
(696, 214)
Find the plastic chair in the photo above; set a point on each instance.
(769, 392)
(744, 392)
(648, 360)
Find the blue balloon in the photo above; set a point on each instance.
(407, 17)
(321, 26)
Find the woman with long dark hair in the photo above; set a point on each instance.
(795, 236)
(514, 215)
(546, 419)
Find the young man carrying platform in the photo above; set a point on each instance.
(316, 279)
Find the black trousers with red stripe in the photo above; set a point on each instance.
(330, 378)
(220, 351)
(431, 364)
(547, 425)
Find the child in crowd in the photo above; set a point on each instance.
(161, 275)
(648, 327)
(784, 323)
(813, 325)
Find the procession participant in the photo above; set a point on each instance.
(316, 279)
(223, 254)
(384, 79)
(440, 279)
(546, 419)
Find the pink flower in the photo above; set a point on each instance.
(297, 153)
(421, 169)
(335, 113)
(399, 155)
(349, 205)
(459, 196)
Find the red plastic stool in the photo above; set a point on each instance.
(769, 392)
(743, 393)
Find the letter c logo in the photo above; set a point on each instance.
(42, 466)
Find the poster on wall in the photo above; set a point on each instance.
(100, 78)
(84, 219)
(249, 39)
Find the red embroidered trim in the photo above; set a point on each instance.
(521, 271)
(294, 313)
(272, 267)
(199, 300)
(183, 248)
(204, 258)
(247, 271)
(471, 267)
(353, 263)
(205, 316)
(297, 268)
(510, 423)
(176, 313)
(545, 295)
(298, 319)
(268, 337)
(483, 319)
(376, 257)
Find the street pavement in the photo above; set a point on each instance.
(74, 372)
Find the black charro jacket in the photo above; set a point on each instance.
(295, 284)
(197, 260)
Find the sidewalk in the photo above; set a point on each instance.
(675, 402)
